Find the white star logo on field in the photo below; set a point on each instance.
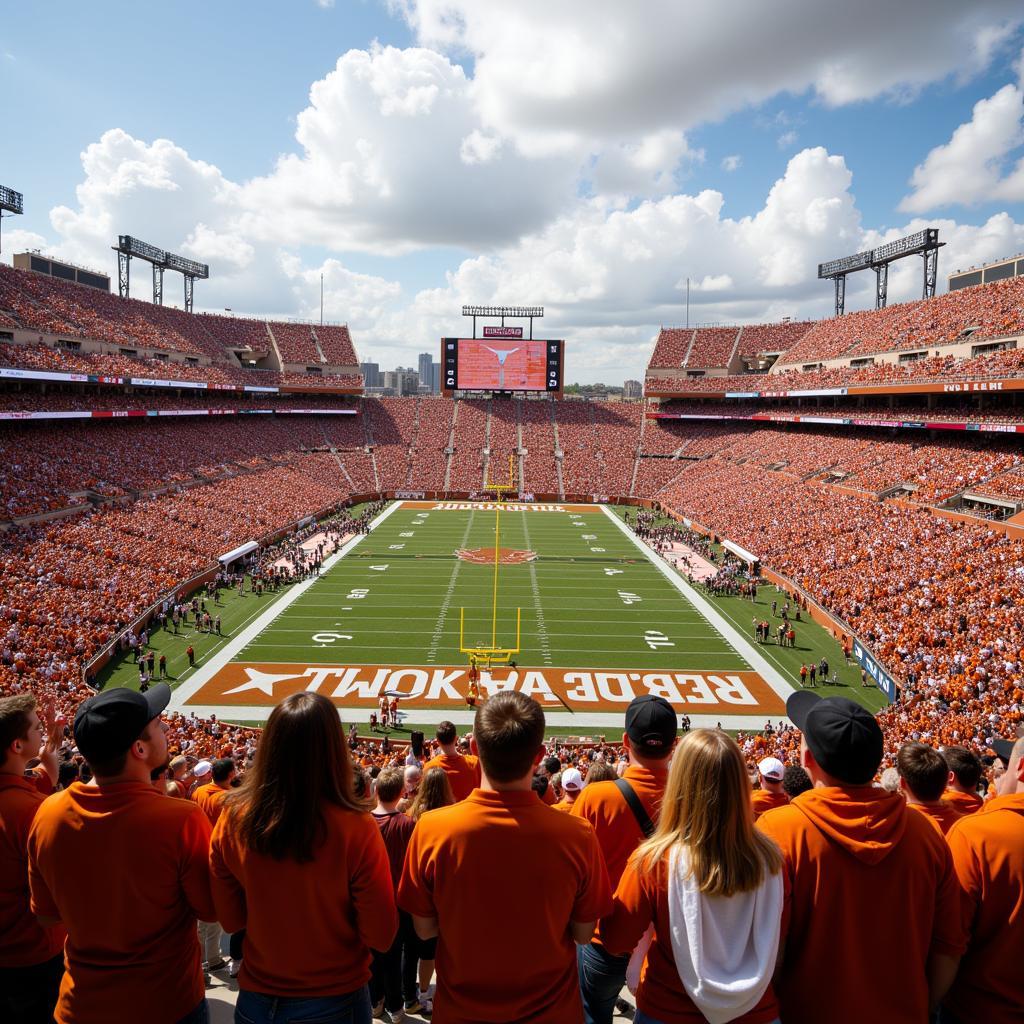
(263, 681)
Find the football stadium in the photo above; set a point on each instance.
(472, 693)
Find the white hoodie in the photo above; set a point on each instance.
(725, 947)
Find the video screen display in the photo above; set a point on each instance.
(501, 364)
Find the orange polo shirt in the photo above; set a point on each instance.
(564, 805)
(640, 900)
(761, 800)
(965, 803)
(988, 854)
(618, 833)
(309, 927)
(505, 875)
(874, 891)
(210, 798)
(132, 938)
(944, 815)
(463, 772)
(23, 940)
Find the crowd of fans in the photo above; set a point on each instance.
(712, 347)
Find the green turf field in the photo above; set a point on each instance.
(601, 620)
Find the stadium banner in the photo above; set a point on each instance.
(16, 374)
(245, 684)
(503, 332)
(413, 495)
(490, 506)
(883, 680)
(153, 382)
(25, 415)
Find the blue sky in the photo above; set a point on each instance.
(518, 156)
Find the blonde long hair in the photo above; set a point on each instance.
(706, 808)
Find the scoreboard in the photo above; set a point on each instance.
(501, 364)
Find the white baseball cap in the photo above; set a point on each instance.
(572, 779)
(202, 768)
(772, 768)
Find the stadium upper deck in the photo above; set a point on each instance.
(971, 334)
(111, 336)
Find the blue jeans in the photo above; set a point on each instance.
(642, 1018)
(200, 1015)
(601, 979)
(254, 1008)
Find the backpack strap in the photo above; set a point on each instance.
(643, 819)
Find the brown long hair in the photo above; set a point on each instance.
(302, 764)
(706, 808)
(435, 791)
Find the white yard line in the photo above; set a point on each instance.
(435, 637)
(542, 629)
(733, 637)
(226, 654)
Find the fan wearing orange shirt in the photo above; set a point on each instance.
(649, 740)
(463, 772)
(31, 960)
(132, 939)
(923, 775)
(771, 772)
(572, 786)
(468, 866)
(210, 796)
(965, 772)
(857, 854)
(988, 853)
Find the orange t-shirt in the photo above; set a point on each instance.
(965, 803)
(463, 772)
(944, 815)
(210, 798)
(618, 833)
(309, 927)
(988, 854)
(132, 939)
(761, 800)
(564, 805)
(873, 891)
(23, 940)
(640, 900)
(531, 872)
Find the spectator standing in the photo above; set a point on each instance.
(988, 853)
(300, 866)
(770, 771)
(712, 886)
(132, 942)
(572, 786)
(31, 956)
(923, 775)
(394, 971)
(623, 813)
(965, 773)
(413, 777)
(795, 781)
(856, 854)
(453, 872)
(463, 772)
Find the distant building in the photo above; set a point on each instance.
(435, 378)
(632, 389)
(426, 363)
(371, 374)
(401, 381)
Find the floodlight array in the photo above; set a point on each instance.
(513, 311)
(11, 201)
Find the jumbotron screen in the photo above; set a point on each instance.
(501, 364)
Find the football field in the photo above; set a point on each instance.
(600, 620)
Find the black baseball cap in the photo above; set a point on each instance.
(845, 738)
(1003, 749)
(109, 723)
(651, 725)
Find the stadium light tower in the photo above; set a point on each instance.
(516, 312)
(12, 203)
(127, 247)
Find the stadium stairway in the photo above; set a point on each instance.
(451, 449)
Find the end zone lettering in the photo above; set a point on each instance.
(437, 687)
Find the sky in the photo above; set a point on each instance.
(589, 156)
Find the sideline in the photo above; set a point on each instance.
(733, 637)
(213, 665)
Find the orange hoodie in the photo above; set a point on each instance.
(873, 894)
(988, 852)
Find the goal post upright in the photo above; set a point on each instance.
(494, 652)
